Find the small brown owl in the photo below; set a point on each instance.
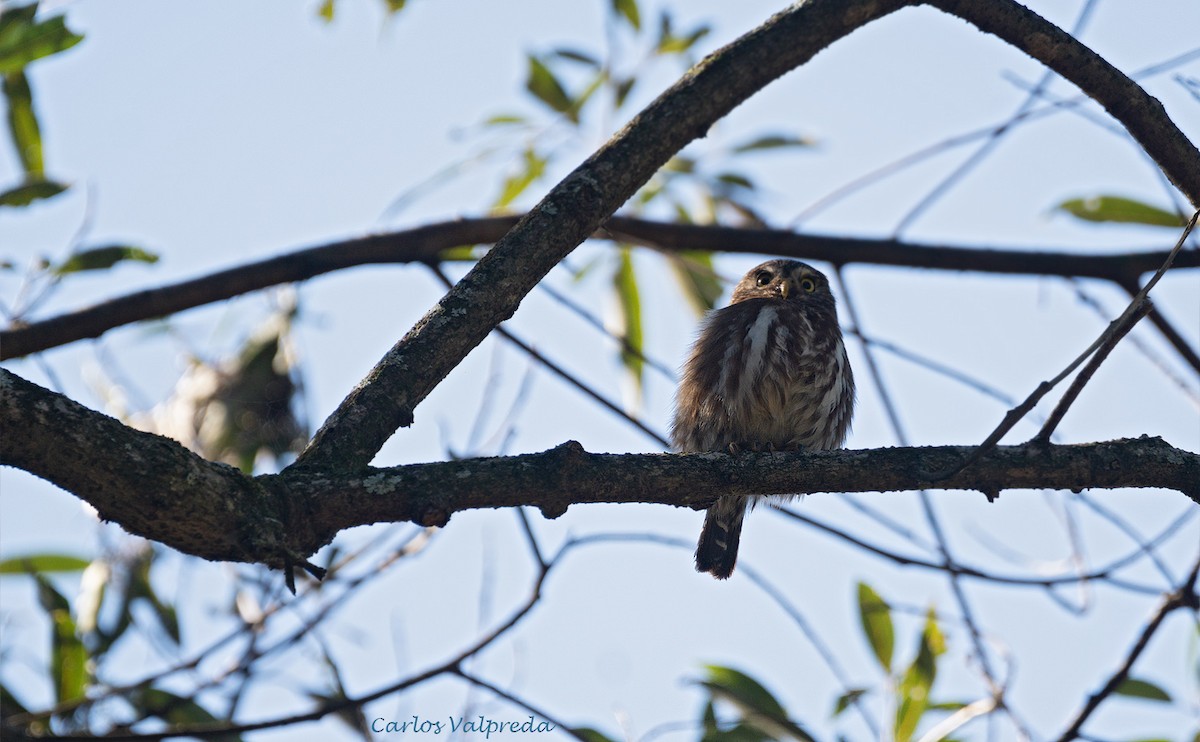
(768, 372)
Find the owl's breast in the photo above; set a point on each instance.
(761, 374)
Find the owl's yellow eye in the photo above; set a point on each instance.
(808, 285)
(763, 278)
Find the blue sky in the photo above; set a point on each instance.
(217, 132)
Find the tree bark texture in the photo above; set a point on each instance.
(156, 488)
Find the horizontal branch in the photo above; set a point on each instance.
(155, 488)
(426, 243)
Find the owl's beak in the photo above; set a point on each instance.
(785, 288)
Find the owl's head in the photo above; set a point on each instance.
(789, 280)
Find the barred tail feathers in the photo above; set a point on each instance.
(716, 552)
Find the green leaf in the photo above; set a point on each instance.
(847, 698)
(42, 563)
(30, 191)
(504, 120)
(22, 39)
(325, 10)
(515, 185)
(68, 658)
(23, 125)
(743, 690)
(1136, 688)
(918, 680)
(176, 710)
(1118, 209)
(628, 9)
(737, 180)
(574, 55)
(394, 6)
(622, 90)
(697, 278)
(629, 303)
(763, 717)
(773, 141)
(677, 164)
(669, 43)
(591, 735)
(462, 252)
(876, 618)
(546, 88)
(103, 258)
(141, 589)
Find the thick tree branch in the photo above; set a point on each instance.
(491, 292)
(155, 488)
(424, 245)
(1142, 115)
(577, 206)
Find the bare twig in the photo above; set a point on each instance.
(1104, 573)
(499, 693)
(568, 377)
(1183, 597)
(1085, 374)
(1118, 325)
(424, 244)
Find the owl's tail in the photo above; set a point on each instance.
(716, 553)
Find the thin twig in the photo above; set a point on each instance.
(566, 376)
(973, 160)
(1104, 573)
(1116, 326)
(557, 724)
(1183, 597)
(424, 244)
(1085, 374)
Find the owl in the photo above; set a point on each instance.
(769, 372)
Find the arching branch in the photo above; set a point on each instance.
(576, 207)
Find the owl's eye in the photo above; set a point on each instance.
(763, 278)
(808, 285)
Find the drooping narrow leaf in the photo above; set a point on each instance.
(629, 304)
(591, 735)
(533, 166)
(544, 86)
(735, 180)
(68, 658)
(574, 55)
(737, 685)
(326, 10)
(773, 141)
(697, 278)
(843, 701)
(915, 686)
(176, 710)
(506, 119)
(1135, 688)
(621, 90)
(42, 563)
(394, 6)
(628, 9)
(24, 39)
(763, 717)
(103, 258)
(22, 124)
(876, 618)
(141, 589)
(31, 191)
(1120, 209)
